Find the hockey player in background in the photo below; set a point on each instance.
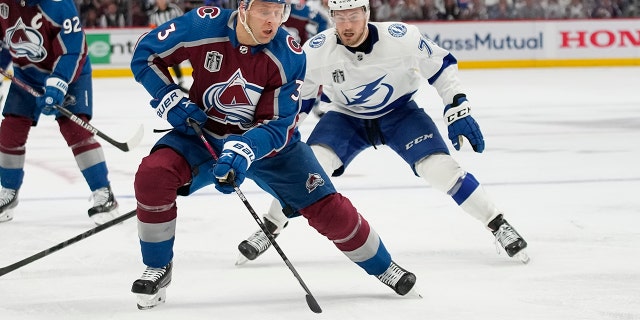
(247, 75)
(373, 106)
(47, 45)
(306, 20)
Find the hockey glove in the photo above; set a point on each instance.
(460, 124)
(54, 92)
(176, 108)
(235, 159)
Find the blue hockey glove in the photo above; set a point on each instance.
(176, 108)
(460, 124)
(235, 159)
(54, 91)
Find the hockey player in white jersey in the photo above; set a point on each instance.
(369, 73)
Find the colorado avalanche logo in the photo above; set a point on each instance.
(369, 96)
(26, 42)
(294, 45)
(317, 41)
(397, 30)
(208, 12)
(234, 101)
(315, 180)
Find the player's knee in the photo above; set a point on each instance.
(160, 173)
(332, 216)
(72, 132)
(15, 132)
(440, 170)
(327, 158)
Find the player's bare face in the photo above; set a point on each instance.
(351, 26)
(264, 18)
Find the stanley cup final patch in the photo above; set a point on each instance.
(315, 180)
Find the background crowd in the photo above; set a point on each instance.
(135, 13)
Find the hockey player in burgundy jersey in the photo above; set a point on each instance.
(47, 45)
(247, 74)
(370, 72)
(306, 20)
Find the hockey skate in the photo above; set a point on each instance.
(256, 244)
(8, 202)
(509, 239)
(151, 288)
(105, 207)
(398, 279)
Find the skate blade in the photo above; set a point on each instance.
(523, 257)
(148, 301)
(414, 293)
(241, 260)
(104, 217)
(7, 215)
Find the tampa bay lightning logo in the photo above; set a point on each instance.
(26, 41)
(317, 41)
(234, 101)
(369, 96)
(397, 30)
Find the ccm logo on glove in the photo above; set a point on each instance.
(456, 113)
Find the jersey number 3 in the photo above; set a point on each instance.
(162, 35)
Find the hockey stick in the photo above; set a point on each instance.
(66, 243)
(124, 146)
(311, 301)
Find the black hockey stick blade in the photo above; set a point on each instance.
(313, 304)
(311, 301)
(66, 243)
(124, 146)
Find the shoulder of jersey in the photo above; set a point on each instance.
(290, 43)
(207, 21)
(397, 30)
(60, 9)
(320, 41)
(210, 13)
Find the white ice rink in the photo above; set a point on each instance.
(561, 160)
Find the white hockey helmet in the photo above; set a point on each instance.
(336, 5)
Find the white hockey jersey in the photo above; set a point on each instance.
(370, 84)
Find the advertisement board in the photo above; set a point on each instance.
(476, 44)
(539, 43)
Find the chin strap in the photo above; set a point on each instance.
(245, 25)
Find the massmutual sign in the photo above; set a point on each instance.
(476, 44)
(539, 43)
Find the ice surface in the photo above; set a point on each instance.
(561, 160)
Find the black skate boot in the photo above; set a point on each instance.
(509, 238)
(256, 244)
(8, 202)
(151, 287)
(105, 206)
(398, 279)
